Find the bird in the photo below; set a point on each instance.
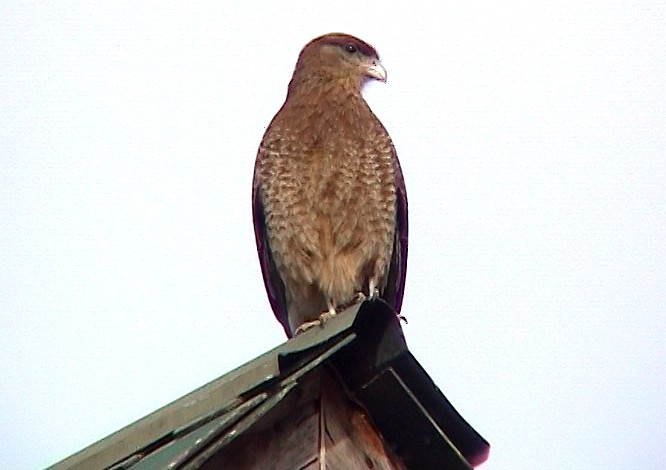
(329, 201)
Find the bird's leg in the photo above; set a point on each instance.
(373, 292)
(360, 297)
(330, 313)
(321, 321)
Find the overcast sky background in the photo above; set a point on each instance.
(532, 137)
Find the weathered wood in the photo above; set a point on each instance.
(350, 440)
(317, 428)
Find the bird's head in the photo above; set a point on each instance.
(339, 57)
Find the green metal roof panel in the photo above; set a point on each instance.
(364, 344)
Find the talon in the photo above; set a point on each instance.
(306, 326)
(321, 321)
(326, 316)
(358, 298)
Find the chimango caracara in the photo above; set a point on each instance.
(329, 201)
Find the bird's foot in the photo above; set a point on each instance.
(326, 316)
(358, 298)
(321, 321)
(306, 326)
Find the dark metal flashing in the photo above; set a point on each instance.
(366, 348)
(412, 414)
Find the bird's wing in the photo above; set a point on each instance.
(395, 285)
(272, 280)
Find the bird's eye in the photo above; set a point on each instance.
(351, 48)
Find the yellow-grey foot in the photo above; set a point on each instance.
(321, 321)
(358, 298)
(326, 316)
(306, 326)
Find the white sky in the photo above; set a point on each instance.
(533, 142)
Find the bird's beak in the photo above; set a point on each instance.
(376, 71)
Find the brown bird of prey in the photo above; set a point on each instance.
(329, 200)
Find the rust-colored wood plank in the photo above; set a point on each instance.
(351, 440)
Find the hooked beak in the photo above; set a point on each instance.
(376, 71)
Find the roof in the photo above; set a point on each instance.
(365, 346)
